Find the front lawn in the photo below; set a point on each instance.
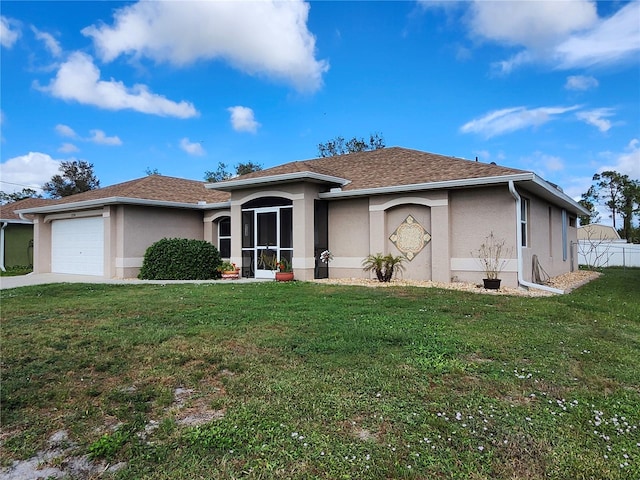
(301, 380)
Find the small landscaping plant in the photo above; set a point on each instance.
(180, 259)
(284, 265)
(383, 265)
(492, 255)
(227, 266)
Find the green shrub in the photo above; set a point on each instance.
(383, 265)
(180, 259)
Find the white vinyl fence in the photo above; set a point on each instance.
(608, 254)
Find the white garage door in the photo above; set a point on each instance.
(77, 246)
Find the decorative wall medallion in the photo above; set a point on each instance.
(410, 237)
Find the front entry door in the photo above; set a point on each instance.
(267, 242)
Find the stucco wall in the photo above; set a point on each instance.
(348, 237)
(140, 227)
(475, 214)
(546, 241)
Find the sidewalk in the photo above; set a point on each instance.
(44, 278)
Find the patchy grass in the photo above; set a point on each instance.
(300, 380)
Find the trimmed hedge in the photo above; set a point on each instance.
(180, 259)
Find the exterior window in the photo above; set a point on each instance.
(524, 221)
(224, 237)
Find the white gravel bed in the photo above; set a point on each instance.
(566, 282)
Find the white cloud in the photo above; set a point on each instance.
(505, 67)
(259, 38)
(627, 162)
(31, 170)
(614, 39)
(581, 82)
(9, 32)
(194, 148)
(99, 137)
(65, 131)
(597, 118)
(532, 24)
(243, 119)
(78, 79)
(508, 120)
(49, 41)
(68, 148)
(563, 34)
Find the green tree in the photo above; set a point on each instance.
(218, 175)
(21, 195)
(340, 146)
(76, 177)
(588, 201)
(222, 173)
(249, 167)
(619, 194)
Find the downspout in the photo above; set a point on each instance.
(4, 225)
(521, 280)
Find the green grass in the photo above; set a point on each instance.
(322, 381)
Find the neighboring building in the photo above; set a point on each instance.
(16, 233)
(595, 231)
(600, 246)
(434, 210)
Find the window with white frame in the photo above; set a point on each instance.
(224, 237)
(524, 221)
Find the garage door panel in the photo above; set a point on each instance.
(77, 246)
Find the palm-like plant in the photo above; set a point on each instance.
(383, 265)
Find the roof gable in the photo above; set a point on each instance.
(388, 167)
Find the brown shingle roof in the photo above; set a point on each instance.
(7, 211)
(152, 187)
(392, 166)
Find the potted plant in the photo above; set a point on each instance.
(492, 256)
(229, 271)
(384, 266)
(284, 271)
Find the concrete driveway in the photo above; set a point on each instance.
(44, 278)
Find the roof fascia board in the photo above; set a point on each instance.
(466, 182)
(122, 200)
(271, 179)
(560, 194)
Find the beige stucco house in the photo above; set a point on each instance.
(432, 209)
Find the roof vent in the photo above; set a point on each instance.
(335, 190)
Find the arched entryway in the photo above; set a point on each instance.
(267, 235)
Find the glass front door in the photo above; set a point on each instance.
(267, 236)
(267, 242)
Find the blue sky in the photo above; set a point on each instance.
(547, 86)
